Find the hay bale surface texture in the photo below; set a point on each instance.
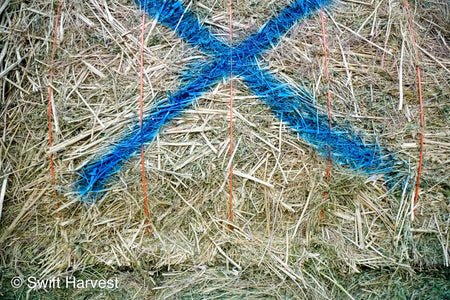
(296, 232)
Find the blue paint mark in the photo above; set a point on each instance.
(290, 105)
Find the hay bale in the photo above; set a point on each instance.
(365, 246)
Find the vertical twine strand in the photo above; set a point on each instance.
(141, 93)
(231, 113)
(422, 122)
(324, 38)
(50, 100)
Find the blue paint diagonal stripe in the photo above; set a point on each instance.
(177, 17)
(95, 175)
(296, 109)
(271, 33)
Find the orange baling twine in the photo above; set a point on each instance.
(422, 123)
(328, 102)
(231, 114)
(144, 186)
(50, 94)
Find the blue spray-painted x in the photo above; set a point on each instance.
(294, 107)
